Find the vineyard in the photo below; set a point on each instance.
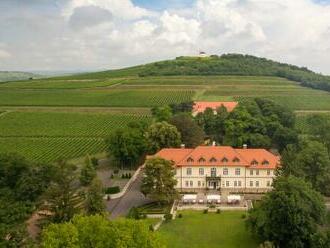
(49, 136)
(302, 122)
(95, 97)
(47, 124)
(68, 117)
(52, 149)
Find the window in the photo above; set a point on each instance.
(265, 162)
(191, 183)
(236, 160)
(187, 183)
(251, 183)
(224, 160)
(257, 172)
(257, 183)
(251, 172)
(213, 160)
(254, 162)
(225, 171)
(199, 183)
(237, 171)
(239, 183)
(203, 184)
(190, 160)
(189, 171)
(268, 183)
(235, 183)
(201, 160)
(227, 184)
(213, 172)
(201, 171)
(268, 172)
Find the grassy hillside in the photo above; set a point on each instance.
(227, 64)
(6, 76)
(49, 118)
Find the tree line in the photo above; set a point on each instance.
(236, 64)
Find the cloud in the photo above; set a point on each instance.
(4, 54)
(104, 34)
(87, 16)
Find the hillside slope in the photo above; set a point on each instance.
(227, 64)
(6, 76)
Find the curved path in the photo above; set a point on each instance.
(132, 198)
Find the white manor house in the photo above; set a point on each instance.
(222, 168)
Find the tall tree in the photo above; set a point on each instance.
(87, 172)
(127, 145)
(191, 134)
(158, 182)
(289, 215)
(97, 231)
(162, 135)
(94, 198)
(162, 113)
(63, 198)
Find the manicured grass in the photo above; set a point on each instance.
(154, 208)
(211, 230)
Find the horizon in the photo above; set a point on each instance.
(96, 35)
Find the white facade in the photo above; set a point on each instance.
(233, 178)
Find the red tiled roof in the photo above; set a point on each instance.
(202, 106)
(220, 156)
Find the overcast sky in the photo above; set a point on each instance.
(107, 34)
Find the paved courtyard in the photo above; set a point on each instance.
(132, 198)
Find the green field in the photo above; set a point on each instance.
(210, 230)
(49, 136)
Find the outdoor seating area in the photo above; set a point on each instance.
(207, 199)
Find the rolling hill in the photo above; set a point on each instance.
(6, 76)
(66, 117)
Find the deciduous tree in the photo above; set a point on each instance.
(289, 215)
(158, 182)
(162, 135)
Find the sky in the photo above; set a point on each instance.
(91, 35)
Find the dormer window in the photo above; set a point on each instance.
(201, 160)
(254, 162)
(224, 160)
(265, 162)
(190, 160)
(213, 160)
(236, 160)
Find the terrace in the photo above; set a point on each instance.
(201, 200)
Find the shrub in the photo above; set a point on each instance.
(116, 171)
(112, 176)
(218, 211)
(122, 176)
(151, 228)
(112, 190)
(129, 175)
(205, 211)
(134, 213)
(212, 206)
(179, 215)
(95, 161)
(168, 217)
(243, 216)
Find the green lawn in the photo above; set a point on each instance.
(210, 230)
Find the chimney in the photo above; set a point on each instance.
(244, 146)
(213, 143)
(183, 146)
